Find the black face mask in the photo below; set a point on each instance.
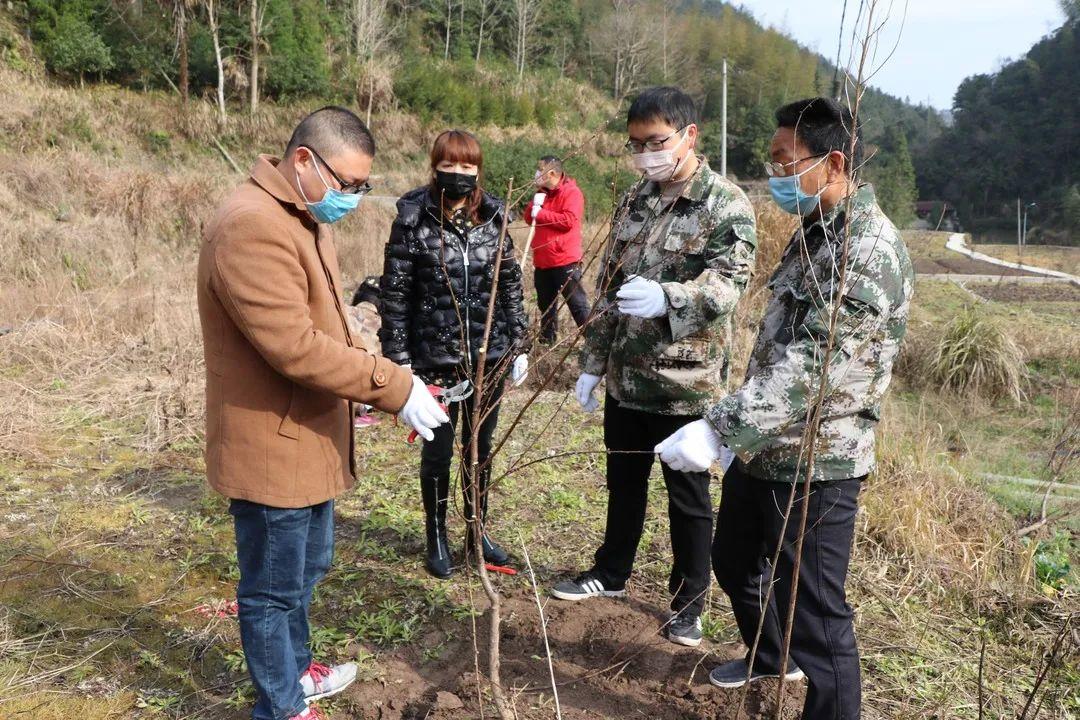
(455, 185)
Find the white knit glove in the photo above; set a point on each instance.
(583, 391)
(520, 370)
(642, 298)
(692, 448)
(422, 412)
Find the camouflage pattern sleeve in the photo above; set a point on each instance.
(780, 393)
(604, 317)
(729, 259)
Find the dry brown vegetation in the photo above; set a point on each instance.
(101, 381)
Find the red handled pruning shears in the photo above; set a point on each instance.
(446, 396)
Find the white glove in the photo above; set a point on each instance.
(538, 200)
(520, 370)
(726, 457)
(583, 391)
(642, 298)
(421, 412)
(691, 448)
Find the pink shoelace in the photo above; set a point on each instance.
(317, 672)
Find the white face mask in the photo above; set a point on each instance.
(660, 165)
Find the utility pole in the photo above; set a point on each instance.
(1019, 229)
(723, 121)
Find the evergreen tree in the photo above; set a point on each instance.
(893, 176)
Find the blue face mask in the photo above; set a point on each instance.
(789, 195)
(334, 204)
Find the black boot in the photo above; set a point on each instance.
(493, 554)
(438, 560)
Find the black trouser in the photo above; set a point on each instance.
(689, 506)
(823, 636)
(437, 455)
(550, 282)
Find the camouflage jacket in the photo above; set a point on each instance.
(763, 421)
(700, 248)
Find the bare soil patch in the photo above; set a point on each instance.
(609, 659)
(1026, 292)
(961, 265)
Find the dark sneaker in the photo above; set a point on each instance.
(585, 585)
(684, 630)
(733, 674)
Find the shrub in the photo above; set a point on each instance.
(974, 355)
(74, 49)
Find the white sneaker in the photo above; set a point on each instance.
(320, 681)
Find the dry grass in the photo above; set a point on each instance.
(975, 356)
(97, 257)
(1051, 257)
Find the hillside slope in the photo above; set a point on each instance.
(116, 566)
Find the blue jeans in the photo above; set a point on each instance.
(282, 554)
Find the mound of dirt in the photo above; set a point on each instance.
(609, 659)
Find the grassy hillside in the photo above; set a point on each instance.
(114, 556)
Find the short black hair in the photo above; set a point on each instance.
(666, 103)
(550, 162)
(824, 125)
(331, 130)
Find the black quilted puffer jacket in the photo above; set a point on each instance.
(437, 278)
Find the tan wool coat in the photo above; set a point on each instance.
(281, 368)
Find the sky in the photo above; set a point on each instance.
(940, 43)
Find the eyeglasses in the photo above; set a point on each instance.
(347, 188)
(651, 145)
(775, 169)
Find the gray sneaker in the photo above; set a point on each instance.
(684, 630)
(733, 674)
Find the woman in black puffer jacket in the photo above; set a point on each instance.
(436, 287)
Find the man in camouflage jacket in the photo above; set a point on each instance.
(680, 256)
(837, 316)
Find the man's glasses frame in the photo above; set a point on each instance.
(636, 147)
(347, 188)
(775, 169)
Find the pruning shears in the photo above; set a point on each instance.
(446, 397)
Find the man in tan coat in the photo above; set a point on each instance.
(282, 373)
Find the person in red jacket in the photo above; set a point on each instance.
(557, 209)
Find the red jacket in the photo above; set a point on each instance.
(558, 226)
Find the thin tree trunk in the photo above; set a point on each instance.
(449, 22)
(476, 530)
(215, 32)
(182, 47)
(253, 82)
(480, 37)
(370, 96)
